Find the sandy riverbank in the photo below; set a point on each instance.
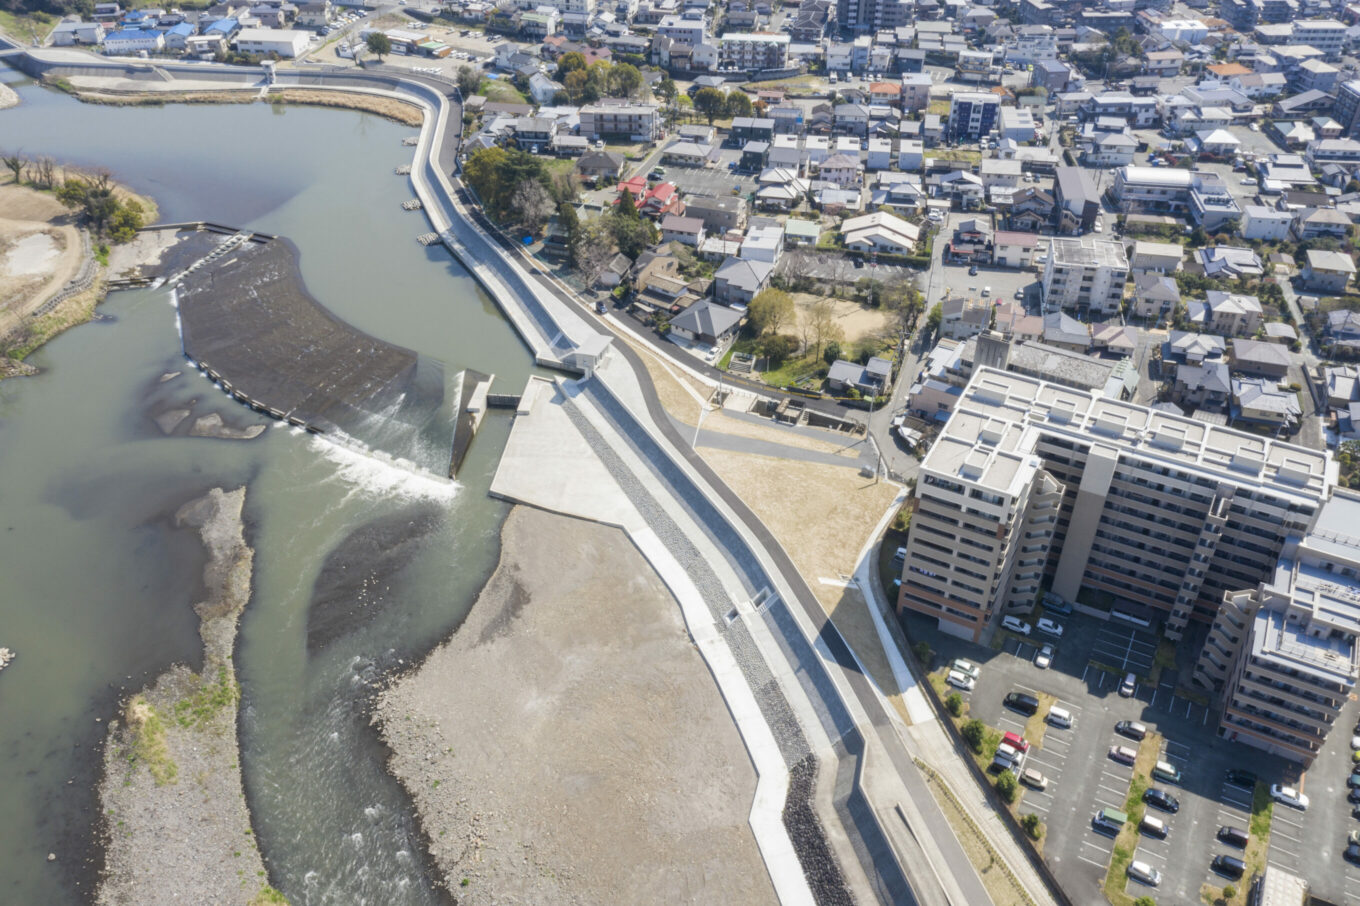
(400, 111)
(568, 744)
(8, 97)
(176, 826)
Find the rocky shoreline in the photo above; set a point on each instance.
(567, 745)
(175, 824)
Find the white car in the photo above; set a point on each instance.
(1145, 873)
(960, 681)
(1044, 659)
(1288, 795)
(1254, 127)
(1355, 743)
(1248, 180)
(1015, 624)
(1049, 627)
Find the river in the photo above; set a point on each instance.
(96, 585)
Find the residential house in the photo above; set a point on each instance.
(1327, 271)
(1260, 358)
(1004, 173)
(1155, 258)
(1154, 295)
(1031, 210)
(880, 232)
(720, 215)
(1014, 249)
(1184, 349)
(764, 241)
(543, 89)
(601, 165)
(1314, 223)
(843, 170)
(1065, 332)
(739, 280)
(1265, 224)
(687, 230)
(1076, 199)
(963, 317)
(73, 31)
(1230, 314)
(1261, 401)
(708, 323)
(1343, 330)
(131, 40)
(1230, 261)
(971, 242)
(1206, 386)
(1110, 149)
(1114, 339)
(869, 379)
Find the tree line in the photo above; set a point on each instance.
(92, 196)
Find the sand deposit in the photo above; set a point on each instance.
(175, 820)
(568, 744)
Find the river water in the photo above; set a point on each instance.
(96, 585)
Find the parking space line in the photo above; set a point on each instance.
(1100, 865)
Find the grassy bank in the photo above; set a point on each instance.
(1126, 843)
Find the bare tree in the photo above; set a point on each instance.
(44, 171)
(593, 249)
(822, 326)
(531, 205)
(840, 268)
(16, 162)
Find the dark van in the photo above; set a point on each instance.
(1022, 702)
(1229, 866)
(1233, 836)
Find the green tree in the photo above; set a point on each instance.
(575, 83)
(570, 62)
(627, 208)
(126, 221)
(934, 318)
(1007, 787)
(770, 310)
(737, 104)
(666, 90)
(469, 80)
(954, 704)
(568, 220)
(625, 80)
(974, 732)
(777, 348)
(496, 173)
(378, 44)
(832, 352)
(1035, 828)
(633, 236)
(710, 102)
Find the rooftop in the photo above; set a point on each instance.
(1088, 253)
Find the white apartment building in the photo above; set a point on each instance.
(284, 42)
(1032, 43)
(1327, 35)
(1121, 506)
(1086, 276)
(683, 31)
(753, 51)
(639, 122)
(1282, 655)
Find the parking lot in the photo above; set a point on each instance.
(1082, 778)
(714, 180)
(954, 280)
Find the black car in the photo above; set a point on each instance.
(1162, 799)
(1352, 853)
(1229, 866)
(1022, 702)
(1353, 797)
(972, 271)
(1239, 777)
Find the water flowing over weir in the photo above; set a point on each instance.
(248, 323)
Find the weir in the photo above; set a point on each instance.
(247, 322)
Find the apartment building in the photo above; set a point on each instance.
(916, 91)
(873, 15)
(683, 30)
(1346, 109)
(1202, 196)
(1327, 35)
(1120, 505)
(1032, 43)
(972, 114)
(639, 122)
(754, 51)
(1282, 655)
(1085, 276)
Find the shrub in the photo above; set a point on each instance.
(1033, 826)
(1145, 901)
(954, 704)
(1229, 892)
(975, 733)
(1007, 787)
(922, 652)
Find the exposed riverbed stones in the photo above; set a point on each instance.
(175, 821)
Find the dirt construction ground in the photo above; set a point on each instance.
(39, 252)
(858, 321)
(568, 744)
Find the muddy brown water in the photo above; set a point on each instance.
(96, 586)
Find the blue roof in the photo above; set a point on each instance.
(134, 34)
(184, 28)
(222, 25)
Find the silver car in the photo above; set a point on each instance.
(1141, 871)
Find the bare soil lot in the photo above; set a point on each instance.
(568, 744)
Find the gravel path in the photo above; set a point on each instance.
(568, 745)
(176, 826)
